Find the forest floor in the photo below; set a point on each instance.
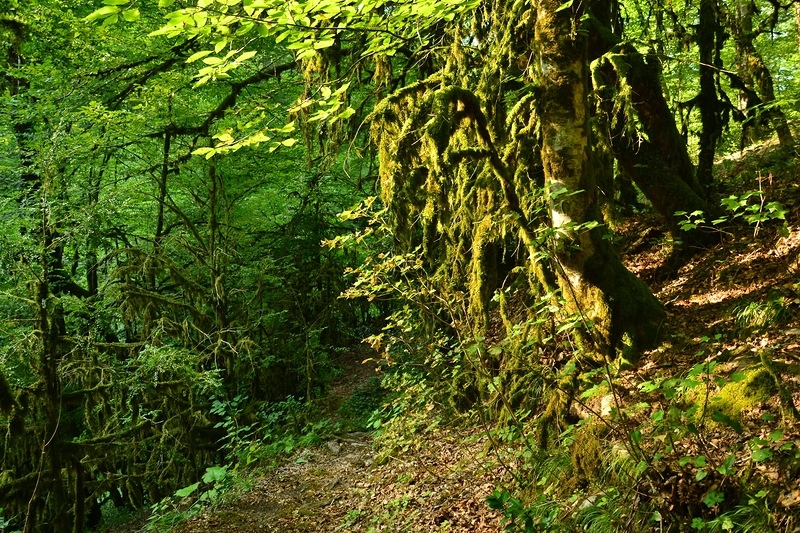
(339, 486)
(726, 303)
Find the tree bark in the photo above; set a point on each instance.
(753, 71)
(620, 312)
(648, 146)
(797, 22)
(707, 100)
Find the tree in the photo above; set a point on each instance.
(755, 84)
(147, 282)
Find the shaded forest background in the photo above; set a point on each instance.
(208, 206)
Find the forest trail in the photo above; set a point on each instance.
(337, 487)
(439, 483)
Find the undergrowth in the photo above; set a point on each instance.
(585, 449)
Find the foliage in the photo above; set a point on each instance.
(361, 408)
(168, 307)
(189, 501)
(664, 458)
(146, 283)
(754, 213)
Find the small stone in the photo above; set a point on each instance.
(334, 447)
(354, 460)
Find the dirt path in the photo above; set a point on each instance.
(437, 483)
(337, 487)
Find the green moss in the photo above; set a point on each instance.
(587, 453)
(627, 351)
(756, 388)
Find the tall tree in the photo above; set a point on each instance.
(591, 277)
(146, 281)
(756, 88)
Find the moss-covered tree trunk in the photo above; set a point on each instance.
(646, 142)
(622, 313)
(753, 71)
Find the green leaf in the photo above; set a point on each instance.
(722, 418)
(186, 491)
(325, 43)
(198, 55)
(727, 468)
(131, 15)
(116, 2)
(225, 138)
(698, 523)
(165, 3)
(565, 5)
(713, 498)
(762, 454)
(701, 475)
(775, 435)
(100, 13)
(347, 113)
(245, 56)
(215, 473)
(111, 20)
(206, 151)
(289, 142)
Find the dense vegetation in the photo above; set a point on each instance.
(206, 203)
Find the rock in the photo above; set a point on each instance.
(355, 460)
(607, 405)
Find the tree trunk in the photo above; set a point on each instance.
(648, 146)
(797, 22)
(754, 73)
(621, 313)
(707, 100)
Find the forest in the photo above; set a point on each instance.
(399, 265)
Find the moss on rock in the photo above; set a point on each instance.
(756, 388)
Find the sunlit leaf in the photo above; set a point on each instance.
(100, 13)
(187, 491)
(325, 43)
(131, 15)
(198, 55)
(111, 20)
